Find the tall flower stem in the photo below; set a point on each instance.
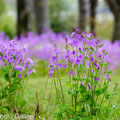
(60, 86)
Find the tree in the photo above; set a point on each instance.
(93, 5)
(58, 22)
(41, 15)
(82, 15)
(22, 18)
(115, 8)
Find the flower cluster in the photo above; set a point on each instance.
(80, 49)
(41, 46)
(87, 77)
(15, 68)
(12, 55)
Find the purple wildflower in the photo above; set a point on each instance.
(53, 58)
(89, 35)
(80, 49)
(71, 73)
(91, 59)
(65, 66)
(77, 61)
(19, 76)
(98, 68)
(73, 52)
(59, 64)
(107, 76)
(95, 64)
(98, 79)
(80, 56)
(89, 86)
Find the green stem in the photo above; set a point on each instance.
(60, 86)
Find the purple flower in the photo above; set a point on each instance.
(79, 36)
(50, 72)
(77, 61)
(84, 33)
(89, 86)
(65, 66)
(66, 39)
(53, 58)
(91, 59)
(73, 34)
(5, 65)
(89, 35)
(107, 76)
(99, 56)
(82, 84)
(71, 73)
(59, 64)
(33, 70)
(80, 49)
(98, 68)
(30, 61)
(84, 76)
(19, 67)
(76, 29)
(19, 76)
(95, 64)
(29, 71)
(98, 79)
(72, 60)
(80, 56)
(50, 75)
(93, 32)
(73, 52)
(5, 56)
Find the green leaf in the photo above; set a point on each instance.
(14, 57)
(109, 72)
(71, 92)
(105, 64)
(7, 77)
(76, 79)
(68, 84)
(107, 96)
(106, 53)
(92, 48)
(23, 103)
(86, 58)
(1, 54)
(100, 91)
(100, 45)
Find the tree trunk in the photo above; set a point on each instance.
(41, 15)
(93, 5)
(30, 14)
(115, 8)
(22, 18)
(116, 31)
(82, 15)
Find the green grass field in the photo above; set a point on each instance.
(37, 84)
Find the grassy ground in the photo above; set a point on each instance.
(37, 84)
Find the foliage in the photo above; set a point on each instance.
(58, 12)
(8, 25)
(86, 82)
(14, 70)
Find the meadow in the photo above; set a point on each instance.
(32, 66)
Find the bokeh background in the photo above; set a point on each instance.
(58, 15)
(39, 24)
